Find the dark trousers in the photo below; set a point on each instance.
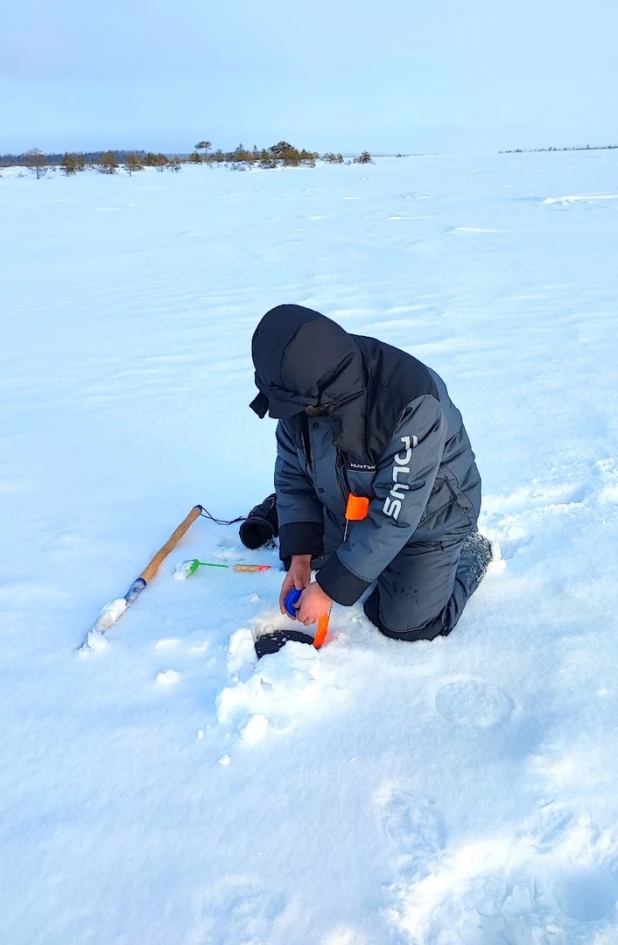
(422, 593)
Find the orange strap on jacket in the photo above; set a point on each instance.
(357, 508)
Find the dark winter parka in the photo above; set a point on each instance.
(390, 433)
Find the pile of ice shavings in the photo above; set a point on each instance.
(273, 692)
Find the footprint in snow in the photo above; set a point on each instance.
(536, 496)
(526, 903)
(544, 885)
(414, 829)
(514, 518)
(473, 704)
(237, 911)
(551, 826)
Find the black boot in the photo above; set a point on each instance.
(476, 553)
(261, 525)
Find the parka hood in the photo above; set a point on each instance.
(302, 359)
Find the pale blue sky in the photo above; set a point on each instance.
(390, 75)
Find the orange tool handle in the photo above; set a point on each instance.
(322, 631)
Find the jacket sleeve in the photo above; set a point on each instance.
(405, 476)
(299, 510)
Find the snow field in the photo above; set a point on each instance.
(166, 789)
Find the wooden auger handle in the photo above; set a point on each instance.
(151, 569)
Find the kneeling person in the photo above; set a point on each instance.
(358, 416)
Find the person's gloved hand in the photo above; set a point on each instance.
(299, 577)
(313, 604)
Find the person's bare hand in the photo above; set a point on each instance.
(299, 577)
(313, 604)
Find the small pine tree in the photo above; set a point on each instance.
(195, 158)
(80, 162)
(108, 163)
(36, 162)
(240, 155)
(175, 164)
(69, 164)
(133, 163)
(204, 146)
(364, 158)
(278, 150)
(267, 160)
(308, 157)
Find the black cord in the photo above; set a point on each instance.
(220, 521)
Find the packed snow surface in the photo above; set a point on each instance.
(169, 789)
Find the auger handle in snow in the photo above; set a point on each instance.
(155, 563)
(113, 611)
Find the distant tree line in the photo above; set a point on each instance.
(282, 154)
(595, 147)
(89, 158)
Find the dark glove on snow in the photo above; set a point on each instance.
(261, 525)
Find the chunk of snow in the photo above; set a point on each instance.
(110, 614)
(241, 650)
(168, 677)
(281, 686)
(94, 641)
(254, 728)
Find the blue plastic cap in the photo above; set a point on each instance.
(292, 598)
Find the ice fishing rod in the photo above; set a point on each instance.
(113, 611)
(185, 569)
